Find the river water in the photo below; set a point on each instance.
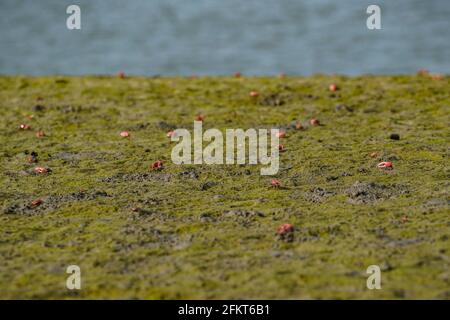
(220, 37)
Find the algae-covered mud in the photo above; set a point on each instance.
(74, 191)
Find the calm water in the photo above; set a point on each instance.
(185, 37)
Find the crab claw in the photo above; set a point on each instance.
(385, 164)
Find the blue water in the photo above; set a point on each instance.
(217, 37)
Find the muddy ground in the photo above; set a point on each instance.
(198, 231)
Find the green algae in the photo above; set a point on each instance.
(188, 241)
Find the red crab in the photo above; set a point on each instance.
(281, 148)
(281, 134)
(25, 127)
(171, 134)
(121, 74)
(314, 122)
(200, 117)
(125, 134)
(437, 76)
(40, 134)
(36, 203)
(385, 165)
(333, 87)
(32, 159)
(254, 94)
(275, 183)
(285, 228)
(157, 165)
(41, 170)
(299, 126)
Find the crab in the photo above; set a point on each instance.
(385, 165)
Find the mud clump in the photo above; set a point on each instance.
(147, 236)
(207, 185)
(316, 195)
(50, 203)
(243, 217)
(38, 108)
(166, 126)
(274, 100)
(370, 192)
(344, 107)
(138, 177)
(242, 214)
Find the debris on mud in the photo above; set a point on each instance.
(274, 100)
(52, 202)
(369, 192)
(317, 194)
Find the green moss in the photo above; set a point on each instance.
(219, 242)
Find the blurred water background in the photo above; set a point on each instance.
(220, 37)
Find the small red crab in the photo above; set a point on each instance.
(171, 134)
(436, 76)
(254, 94)
(40, 134)
(36, 203)
(25, 127)
(121, 74)
(32, 159)
(237, 74)
(333, 87)
(281, 134)
(200, 117)
(41, 170)
(157, 165)
(281, 148)
(125, 134)
(314, 122)
(285, 228)
(385, 165)
(299, 126)
(275, 183)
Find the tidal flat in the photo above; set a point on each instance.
(209, 231)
